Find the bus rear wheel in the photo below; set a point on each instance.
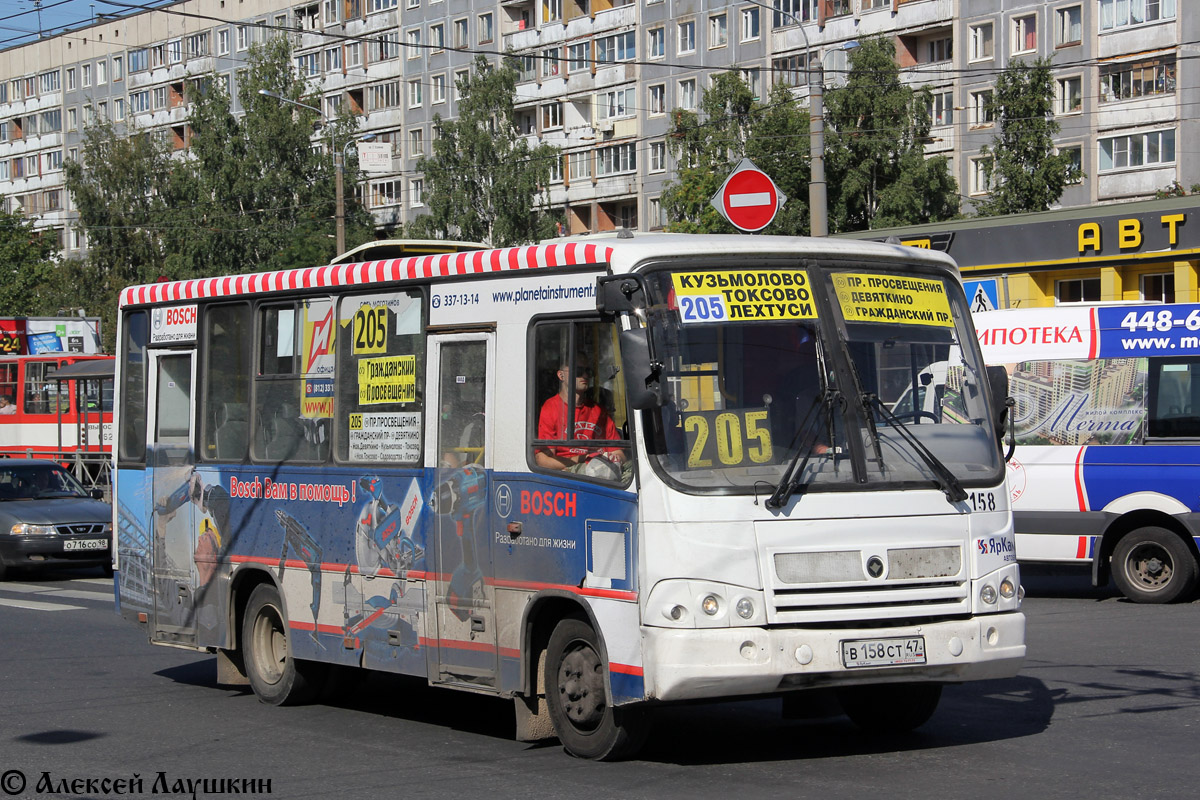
(1153, 565)
(276, 675)
(587, 724)
(890, 707)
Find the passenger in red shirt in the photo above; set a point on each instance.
(591, 422)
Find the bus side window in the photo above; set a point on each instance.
(578, 399)
(228, 334)
(1176, 399)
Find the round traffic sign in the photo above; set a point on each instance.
(749, 199)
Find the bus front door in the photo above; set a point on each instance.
(461, 370)
(170, 422)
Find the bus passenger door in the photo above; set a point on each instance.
(461, 370)
(170, 421)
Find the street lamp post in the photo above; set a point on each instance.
(818, 200)
(338, 164)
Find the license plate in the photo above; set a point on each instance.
(85, 544)
(883, 652)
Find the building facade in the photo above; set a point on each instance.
(599, 77)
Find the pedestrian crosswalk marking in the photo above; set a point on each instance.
(35, 605)
(48, 591)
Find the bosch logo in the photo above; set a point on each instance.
(875, 566)
(503, 501)
(184, 315)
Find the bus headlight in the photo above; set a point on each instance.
(709, 605)
(1007, 590)
(745, 608)
(988, 594)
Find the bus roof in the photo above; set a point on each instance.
(618, 254)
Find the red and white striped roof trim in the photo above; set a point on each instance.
(444, 265)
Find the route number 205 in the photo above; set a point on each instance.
(732, 438)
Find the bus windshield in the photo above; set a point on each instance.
(810, 373)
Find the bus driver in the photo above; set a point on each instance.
(591, 422)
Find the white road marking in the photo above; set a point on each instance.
(49, 591)
(34, 605)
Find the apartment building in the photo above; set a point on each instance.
(599, 77)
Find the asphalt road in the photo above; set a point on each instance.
(1108, 705)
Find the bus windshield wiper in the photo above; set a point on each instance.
(945, 479)
(804, 434)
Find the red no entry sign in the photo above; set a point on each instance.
(749, 199)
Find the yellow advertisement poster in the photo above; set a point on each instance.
(870, 297)
(392, 379)
(761, 294)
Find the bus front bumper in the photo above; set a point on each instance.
(708, 663)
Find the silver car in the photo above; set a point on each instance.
(48, 519)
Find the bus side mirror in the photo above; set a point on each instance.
(620, 294)
(642, 385)
(1001, 406)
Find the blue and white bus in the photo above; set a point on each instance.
(1107, 420)
(589, 477)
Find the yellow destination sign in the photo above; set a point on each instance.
(870, 297)
(387, 380)
(761, 294)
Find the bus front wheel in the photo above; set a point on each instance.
(277, 676)
(890, 707)
(587, 724)
(1153, 565)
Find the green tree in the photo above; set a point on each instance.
(876, 131)
(1023, 169)
(483, 180)
(707, 146)
(122, 189)
(28, 259)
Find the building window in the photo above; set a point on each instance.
(616, 159)
(1137, 150)
(1024, 34)
(615, 103)
(658, 157)
(1068, 26)
(981, 42)
(1128, 13)
(460, 78)
(333, 59)
(551, 116)
(438, 89)
(656, 43)
(792, 12)
(718, 30)
(658, 99)
(308, 65)
(622, 47)
(789, 70)
(1158, 288)
(384, 193)
(939, 49)
(222, 45)
(579, 166)
(387, 47)
(980, 180)
(1070, 95)
(160, 97)
(687, 94)
(416, 93)
(70, 81)
(552, 10)
(578, 56)
(749, 24)
(86, 73)
(485, 28)
(687, 37)
(752, 78)
(1077, 290)
(413, 39)
(460, 33)
(383, 95)
(941, 108)
(416, 142)
(175, 51)
(654, 212)
(243, 37)
(1075, 154)
(197, 46)
(118, 109)
(1137, 79)
(416, 193)
(981, 108)
(437, 36)
(353, 55)
(551, 57)
(101, 73)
